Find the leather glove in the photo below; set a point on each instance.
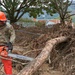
(10, 46)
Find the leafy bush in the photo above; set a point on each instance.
(73, 19)
(39, 24)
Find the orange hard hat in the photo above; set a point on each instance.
(2, 16)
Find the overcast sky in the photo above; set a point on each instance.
(71, 0)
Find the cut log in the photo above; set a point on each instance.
(33, 66)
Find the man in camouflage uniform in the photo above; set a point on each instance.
(7, 37)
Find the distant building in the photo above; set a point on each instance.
(50, 23)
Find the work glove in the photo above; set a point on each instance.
(10, 46)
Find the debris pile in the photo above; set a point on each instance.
(33, 40)
(62, 56)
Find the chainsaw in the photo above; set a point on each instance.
(20, 57)
(6, 53)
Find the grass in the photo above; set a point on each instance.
(73, 19)
(25, 20)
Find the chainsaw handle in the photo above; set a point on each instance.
(3, 51)
(9, 51)
(6, 48)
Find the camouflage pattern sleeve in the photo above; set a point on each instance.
(12, 32)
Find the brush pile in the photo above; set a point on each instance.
(33, 40)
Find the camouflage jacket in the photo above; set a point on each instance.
(7, 34)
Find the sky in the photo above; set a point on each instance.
(71, 0)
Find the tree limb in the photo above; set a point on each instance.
(40, 59)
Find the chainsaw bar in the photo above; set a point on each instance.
(20, 57)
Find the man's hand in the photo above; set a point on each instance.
(10, 46)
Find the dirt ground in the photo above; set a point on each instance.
(46, 70)
(33, 39)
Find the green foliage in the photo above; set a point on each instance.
(15, 9)
(39, 24)
(25, 20)
(73, 19)
(1, 9)
(60, 7)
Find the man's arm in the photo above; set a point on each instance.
(12, 32)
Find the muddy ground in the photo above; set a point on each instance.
(33, 39)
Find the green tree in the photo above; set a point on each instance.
(60, 7)
(17, 8)
(1, 8)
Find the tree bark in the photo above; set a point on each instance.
(33, 66)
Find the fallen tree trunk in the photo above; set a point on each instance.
(40, 59)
